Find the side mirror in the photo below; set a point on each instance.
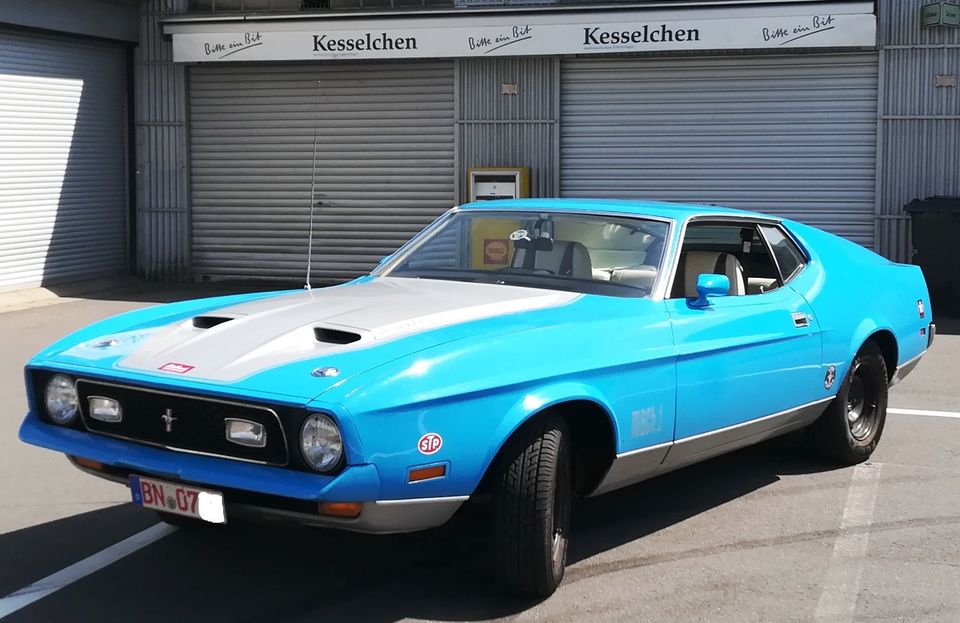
(710, 285)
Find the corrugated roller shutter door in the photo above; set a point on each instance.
(384, 166)
(793, 135)
(63, 144)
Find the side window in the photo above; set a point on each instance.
(732, 249)
(789, 257)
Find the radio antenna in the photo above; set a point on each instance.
(313, 189)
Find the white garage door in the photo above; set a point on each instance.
(793, 135)
(384, 165)
(63, 159)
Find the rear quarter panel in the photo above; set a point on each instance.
(854, 293)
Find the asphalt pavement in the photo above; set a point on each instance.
(769, 533)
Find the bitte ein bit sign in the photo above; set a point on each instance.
(940, 14)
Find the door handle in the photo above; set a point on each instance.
(800, 320)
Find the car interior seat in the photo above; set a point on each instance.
(567, 257)
(695, 263)
(636, 276)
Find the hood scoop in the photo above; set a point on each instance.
(335, 336)
(209, 322)
(234, 342)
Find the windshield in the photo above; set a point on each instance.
(611, 255)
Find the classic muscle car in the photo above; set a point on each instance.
(522, 352)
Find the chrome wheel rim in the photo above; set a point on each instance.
(862, 403)
(557, 542)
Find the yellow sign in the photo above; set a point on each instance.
(490, 246)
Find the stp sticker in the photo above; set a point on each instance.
(178, 368)
(430, 443)
(920, 308)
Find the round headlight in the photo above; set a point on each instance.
(61, 399)
(320, 442)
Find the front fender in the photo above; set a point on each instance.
(473, 429)
(538, 400)
(475, 391)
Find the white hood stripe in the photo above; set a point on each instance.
(271, 332)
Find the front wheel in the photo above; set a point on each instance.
(850, 428)
(532, 507)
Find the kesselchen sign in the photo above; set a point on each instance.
(526, 35)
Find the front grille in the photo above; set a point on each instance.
(198, 425)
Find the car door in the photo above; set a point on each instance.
(747, 363)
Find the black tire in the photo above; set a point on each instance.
(849, 430)
(532, 508)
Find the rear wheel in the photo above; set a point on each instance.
(532, 508)
(850, 429)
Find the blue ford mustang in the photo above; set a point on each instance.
(529, 350)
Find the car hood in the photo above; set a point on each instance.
(229, 343)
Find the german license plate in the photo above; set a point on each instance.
(171, 497)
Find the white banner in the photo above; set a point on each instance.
(525, 37)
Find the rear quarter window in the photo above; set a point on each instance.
(789, 257)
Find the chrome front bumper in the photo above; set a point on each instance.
(376, 517)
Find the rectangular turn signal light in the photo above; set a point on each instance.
(345, 510)
(88, 463)
(426, 473)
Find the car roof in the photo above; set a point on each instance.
(658, 209)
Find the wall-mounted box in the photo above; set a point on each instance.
(489, 183)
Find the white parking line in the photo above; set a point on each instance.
(841, 586)
(41, 588)
(949, 414)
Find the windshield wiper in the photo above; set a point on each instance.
(442, 274)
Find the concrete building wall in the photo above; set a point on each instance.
(918, 135)
(919, 130)
(522, 129)
(108, 19)
(64, 137)
(162, 174)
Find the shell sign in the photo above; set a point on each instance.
(490, 246)
(496, 252)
